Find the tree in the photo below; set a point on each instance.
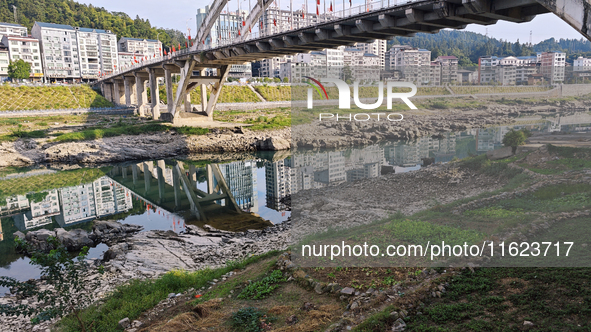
(285, 80)
(19, 70)
(69, 292)
(514, 138)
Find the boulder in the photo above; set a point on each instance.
(74, 240)
(501, 153)
(273, 144)
(38, 239)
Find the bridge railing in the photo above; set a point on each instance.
(309, 20)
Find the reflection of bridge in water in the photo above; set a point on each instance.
(173, 187)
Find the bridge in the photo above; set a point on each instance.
(377, 19)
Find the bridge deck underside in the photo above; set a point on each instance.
(427, 16)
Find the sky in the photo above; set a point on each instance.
(180, 14)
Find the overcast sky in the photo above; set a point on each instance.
(179, 14)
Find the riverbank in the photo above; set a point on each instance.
(306, 132)
(441, 194)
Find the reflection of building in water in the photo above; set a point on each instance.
(490, 138)
(329, 167)
(17, 202)
(558, 122)
(278, 183)
(409, 155)
(92, 200)
(40, 213)
(241, 177)
(77, 204)
(445, 148)
(365, 163)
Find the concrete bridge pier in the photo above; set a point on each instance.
(154, 94)
(129, 84)
(161, 183)
(118, 92)
(177, 188)
(168, 69)
(134, 170)
(141, 93)
(107, 91)
(147, 176)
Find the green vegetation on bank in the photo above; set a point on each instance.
(501, 299)
(140, 295)
(50, 97)
(229, 94)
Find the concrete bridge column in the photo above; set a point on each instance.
(107, 89)
(203, 93)
(161, 182)
(188, 106)
(177, 188)
(169, 93)
(154, 94)
(134, 170)
(141, 93)
(147, 176)
(118, 92)
(129, 83)
(217, 89)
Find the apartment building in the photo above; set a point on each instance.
(582, 64)
(27, 49)
(59, 49)
(12, 29)
(377, 48)
(147, 47)
(4, 62)
(552, 65)
(98, 52)
(449, 68)
(413, 64)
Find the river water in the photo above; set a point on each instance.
(233, 195)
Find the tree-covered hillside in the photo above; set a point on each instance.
(469, 46)
(88, 16)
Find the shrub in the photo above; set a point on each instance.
(251, 320)
(260, 289)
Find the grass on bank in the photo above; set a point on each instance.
(50, 97)
(140, 295)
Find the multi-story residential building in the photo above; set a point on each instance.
(27, 49)
(146, 47)
(4, 62)
(278, 184)
(378, 48)
(271, 67)
(241, 177)
(352, 56)
(275, 20)
(414, 64)
(295, 71)
(12, 29)
(59, 48)
(553, 66)
(582, 64)
(449, 68)
(126, 59)
(77, 204)
(41, 213)
(97, 51)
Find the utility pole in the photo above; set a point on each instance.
(14, 10)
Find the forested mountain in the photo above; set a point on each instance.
(87, 16)
(469, 46)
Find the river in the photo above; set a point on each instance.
(232, 195)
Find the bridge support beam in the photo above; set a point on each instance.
(154, 94)
(577, 13)
(217, 89)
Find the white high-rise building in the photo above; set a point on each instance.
(98, 52)
(147, 47)
(378, 48)
(59, 48)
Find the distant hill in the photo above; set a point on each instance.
(80, 15)
(469, 46)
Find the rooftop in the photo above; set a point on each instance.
(139, 39)
(11, 24)
(54, 26)
(92, 30)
